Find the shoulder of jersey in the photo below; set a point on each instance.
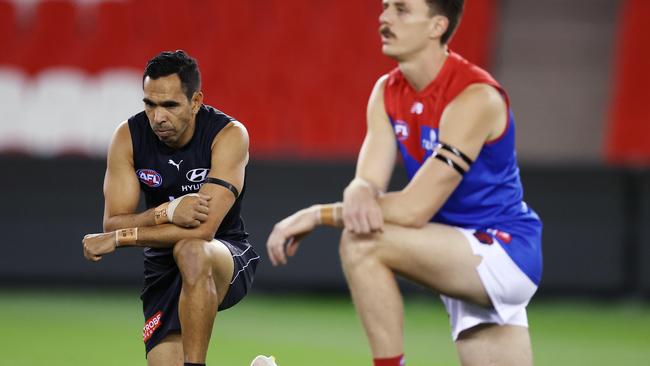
(214, 113)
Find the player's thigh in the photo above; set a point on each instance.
(437, 256)
(492, 344)
(169, 352)
(222, 265)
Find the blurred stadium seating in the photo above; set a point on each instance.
(285, 76)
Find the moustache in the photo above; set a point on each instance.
(385, 31)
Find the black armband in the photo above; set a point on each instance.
(449, 162)
(456, 152)
(223, 183)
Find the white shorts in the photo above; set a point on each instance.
(508, 287)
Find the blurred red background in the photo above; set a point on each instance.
(298, 75)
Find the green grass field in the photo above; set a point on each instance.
(76, 328)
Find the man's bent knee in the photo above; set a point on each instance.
(354, 249)
(192, 259)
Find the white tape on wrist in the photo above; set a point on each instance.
(173, 204)
(319, 219)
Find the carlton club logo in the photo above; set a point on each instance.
(151, 325)
(149, 177)
(197, 175)
(401, 130)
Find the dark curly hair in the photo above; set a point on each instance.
(177, 62)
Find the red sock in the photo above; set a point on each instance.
(392, 361)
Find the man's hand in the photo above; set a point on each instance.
(191, 211)
(289, 232)
(96, 245)
(361, 211)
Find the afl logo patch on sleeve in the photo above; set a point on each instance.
(149, 177)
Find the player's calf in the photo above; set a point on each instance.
(375, 295)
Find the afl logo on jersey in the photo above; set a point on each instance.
(149, 177)
(401, 130)
(197, 175)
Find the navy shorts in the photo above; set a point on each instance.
(162, 288)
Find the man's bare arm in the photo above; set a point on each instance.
(121, 187)
(477, 115)
(376, 159)
(374, 167)
(474, 117)
(229, 159)
(122, 193)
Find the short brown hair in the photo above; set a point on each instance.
(452, 9)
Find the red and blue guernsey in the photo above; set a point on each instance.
(489, 199)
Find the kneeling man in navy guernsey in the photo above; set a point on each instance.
(190, 160)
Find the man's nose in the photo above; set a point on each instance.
(383, 17)
(158, 116)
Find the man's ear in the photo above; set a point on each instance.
(439, 25)
(197, 101)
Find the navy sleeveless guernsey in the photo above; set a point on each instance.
(165, 173)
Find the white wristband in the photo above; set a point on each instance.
(173, 204)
